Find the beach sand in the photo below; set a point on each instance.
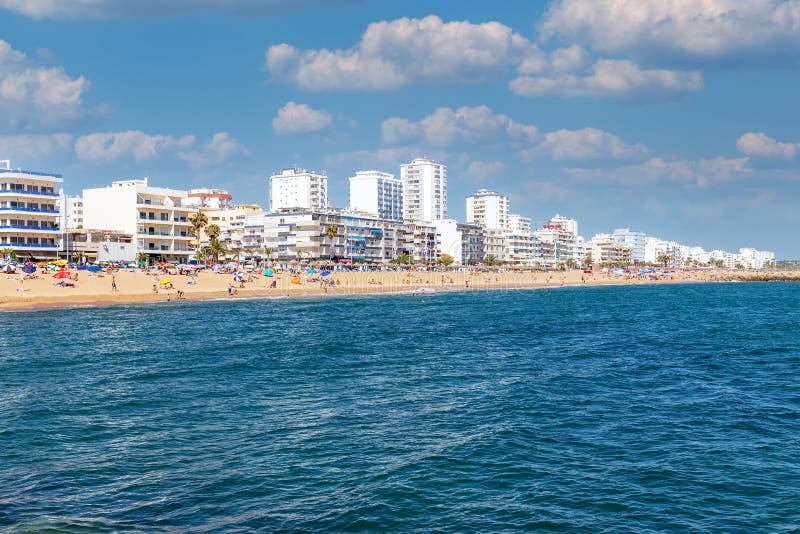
(137, 287)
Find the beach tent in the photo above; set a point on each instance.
(93, 268)
(269, 272)
(61, 274)
(29, 269)
(325, 273)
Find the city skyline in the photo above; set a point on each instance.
(694, 140)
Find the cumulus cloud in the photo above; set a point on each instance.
(701, 172)
(296, 118)
(761, 145)
(395, 53)
(483, 170)
(588, 144)
(447, 127)
(116, 9)
(114, 146)
(220, 149)
(34, 147)
(699, 29)
(606, 78)
(465, 125)
(32, 95)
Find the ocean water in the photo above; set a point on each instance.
(612, 409)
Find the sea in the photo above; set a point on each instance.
(671, 408)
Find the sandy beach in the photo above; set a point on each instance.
(138, 286)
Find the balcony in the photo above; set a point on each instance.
(28, 210)
(24, 246)
(21, 192)
(27, 228)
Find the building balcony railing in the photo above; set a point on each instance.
(29, 210)
(28, 245)
(24, 192)
(26, 227)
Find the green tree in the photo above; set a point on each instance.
(445, 259)
(78, 256)
(664, 259)
(332, 231)
(215, 249)
(490, 259)
(588, 261)
(198, 220)
(402, 259)
(141, 257)
(212, 231)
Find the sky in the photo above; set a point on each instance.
(677, 118)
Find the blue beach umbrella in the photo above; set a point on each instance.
(82, 266)
(269, 272)
(312, 271)
(325, 273)
(29, 269)
(93, 268)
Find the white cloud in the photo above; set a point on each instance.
(220, 149)
(606, 78)
(466, 125)
(34, 148)
(588, 144)
(296, 118)
(112, 146)
(700, 29)
(117, 9)
(761, 145)
(483, 170)
(701, 172)
(394, 53)
(31, 95)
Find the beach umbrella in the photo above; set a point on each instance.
(93, 268)
(82, 267)
(9, 268)
(41, 264)
(61, 274)
(60, 263)
(29, 269)
(312, 271)
(192, 262)
(325, 273)
(296, 280)
(269, 272)
(166, 281)
(216, 267)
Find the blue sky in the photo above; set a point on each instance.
(676, 118)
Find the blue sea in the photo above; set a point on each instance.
(607, 409)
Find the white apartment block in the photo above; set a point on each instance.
(570, 225)
(157, 218)
(71, 211)
(633, 240)
(519, 241)
(424, 190)
(488, 209)
(465, 243)
(29, 213)
(231, 223)
(298, 189)
(378, 193)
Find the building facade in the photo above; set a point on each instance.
(216, 199)
(298, 188)
(424, 190)
(71, 207)
(488, 209)
(465, 243)
(376, 192)
(29, 213)
(157, 217)
(635, 241)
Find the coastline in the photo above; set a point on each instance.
(136, 287)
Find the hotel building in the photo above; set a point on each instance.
(29, 213)
(217, 199)
(488, 209)
(376, 192)
(298, 188)
(157, 218)
(424, 190)
(465, 243)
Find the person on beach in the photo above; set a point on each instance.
(114, 284)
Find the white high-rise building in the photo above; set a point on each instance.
(157, 218)
(424, 190)
(570, 225)
(71, 211)
(376, 192)
(215, 199)
(633, 240)
(488, 209)
(298, 188)
(29, 212)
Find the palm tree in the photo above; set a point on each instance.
(664, 259)
(198, 221)
(142, 257)
(445, 259)
(212, 231)
(216, 248)
(77, 256)
(490, 259)
(6, 252)
(332, 231)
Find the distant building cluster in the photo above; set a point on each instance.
(389, 219)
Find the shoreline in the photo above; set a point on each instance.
(50, 301)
